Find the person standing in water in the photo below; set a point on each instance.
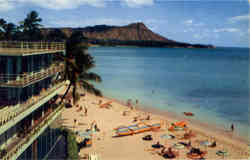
(136, 104)
(232, 127)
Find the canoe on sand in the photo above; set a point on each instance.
(178, 126)
(134, 129)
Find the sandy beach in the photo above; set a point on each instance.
(133, 147)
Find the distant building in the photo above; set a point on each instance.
(28, 94)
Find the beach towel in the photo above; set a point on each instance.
(222, 153)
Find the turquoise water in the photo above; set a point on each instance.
(212, 83)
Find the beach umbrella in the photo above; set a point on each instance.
(178, 146)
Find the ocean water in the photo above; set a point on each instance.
(212, 83)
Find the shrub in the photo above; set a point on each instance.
(72, 147)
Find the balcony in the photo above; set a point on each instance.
(19, 145)
(21, 48)
(9, 116)
(22, 80)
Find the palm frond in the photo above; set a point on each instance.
(90, 76)
(90, 88)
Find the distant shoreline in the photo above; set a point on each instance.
(149, 46)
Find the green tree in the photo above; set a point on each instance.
(7, 30)
(78, 63)
(31, 26)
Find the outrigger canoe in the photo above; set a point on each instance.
(134, 129)
(188, 114)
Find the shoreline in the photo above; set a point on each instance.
(175, 116)
(192, 122)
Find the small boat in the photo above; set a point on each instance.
(178, 126)
(188, 113)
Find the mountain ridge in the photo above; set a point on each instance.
(137, 34)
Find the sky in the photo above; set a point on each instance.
(216, 22)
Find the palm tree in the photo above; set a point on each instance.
(31, 22)
(78, 63)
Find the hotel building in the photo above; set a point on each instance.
(29, 89)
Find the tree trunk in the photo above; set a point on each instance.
(65, 93)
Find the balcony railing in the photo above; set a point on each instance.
(32, 45)
(7, 114)
(19, 145)
(22, 80)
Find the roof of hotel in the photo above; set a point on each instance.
(26, 52)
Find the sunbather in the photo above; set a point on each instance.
(196, 153)
(169, 153)
(147, 138)
(196, 150)
(213, 144)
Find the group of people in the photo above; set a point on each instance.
(80, 109)
(130, 105)
(169, 153)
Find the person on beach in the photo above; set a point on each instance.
(135, 119)
(213, 144)
(75, 123)
(129, 104)
(136, 104)
(232, 127)
(100, 102)
(124, 113)
(85, 111)
(189, 143)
